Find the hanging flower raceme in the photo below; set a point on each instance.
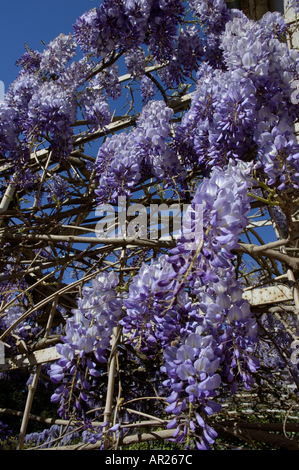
(186, 56)
(191, 368)
(293, 4)
(51, 111)
(10, 316)
(58, 54)
(8, 130)
(224, 339)
(147, 89)
(119, 24)
(213, 337)
(153, 319)
(42, 102)
(185, 330)
(123, 159)
(58, 190)
(240, 112)
(135, 62)
(124, 25)
(5, 435)
(97, 110)
(213, 14)
(88, 332)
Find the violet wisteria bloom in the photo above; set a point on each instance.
(10, 316)
(87, 333)
(293, 4)
(135, 62)
(126, 24)
(58, 189)
(53, 109)
(223, 342)
(213, 13)
(186, 56)
(5, 435)
(192, 373)
(147, 89)
(239, 112)
(123, 159)
(108, 82)
(30, 60)
(97, 110)
(153, 317)
(58, 54)
(20, 93)
(8, 130)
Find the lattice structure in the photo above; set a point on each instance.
(53, 252)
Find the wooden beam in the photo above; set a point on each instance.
(24, 361)
(268, 295)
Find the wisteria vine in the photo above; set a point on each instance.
(148, 321)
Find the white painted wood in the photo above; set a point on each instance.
(268, 295)
(36, 357)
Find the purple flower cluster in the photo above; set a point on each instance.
(8, 135)
(293, 4)
(213, 16)
(42, 102)
(115, 24)
(186, 57)
(228, 327)
(202, 341)
(58, 54)
(97, 110)
(13, 116)
(85, 430)
(192, 367)
(20, 93)
(51, 112)
(24, 178)
(217, 331)
(164, 19)
(44, 437)
(147, 89)
(5, 434)
(108, 81)
(126, 24)
(9, 316)
(123, 159)
(184, 311)
(58, 190)
(280, 218)
(76, 74)
(9, 286)
(241, 113)
(153, 320)
(53, 60)
(184, 54)
(118, 167)
(135, 62)
(30, 60)
(212, 13)
(87, 331)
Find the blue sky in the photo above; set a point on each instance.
(33, 21)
